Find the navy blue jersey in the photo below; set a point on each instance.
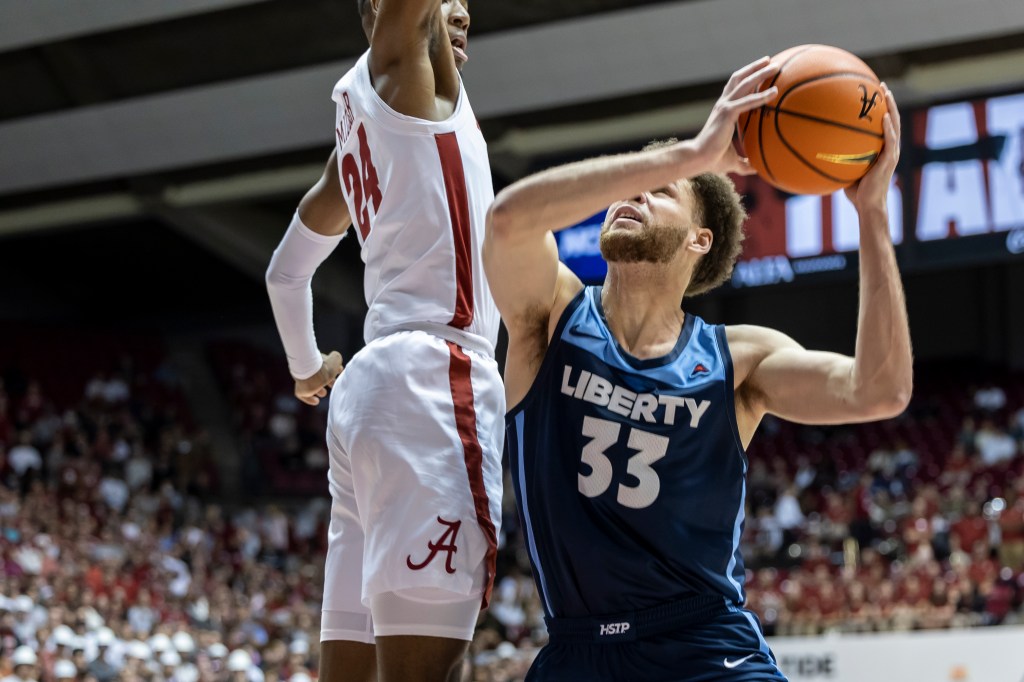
(629, 474)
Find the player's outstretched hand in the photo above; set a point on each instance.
(311, 390)
(873, 188)
(714, 143)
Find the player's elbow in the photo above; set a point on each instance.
(901, 396)
(272, 278)
(278, 281)
(500, 218)
(894, 405)
(888, 402)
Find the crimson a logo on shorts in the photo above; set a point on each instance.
(445, 543)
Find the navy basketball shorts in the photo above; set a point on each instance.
(727, 646)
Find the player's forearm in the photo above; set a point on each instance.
(560, 197)
(883, 363)
(289, 286)
(293, 314)
(407, 17)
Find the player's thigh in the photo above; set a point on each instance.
(410, 658)
(344, 616)
(426, 464)
(422, 634)
(342, 661)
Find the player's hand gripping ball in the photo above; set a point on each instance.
(823, 130)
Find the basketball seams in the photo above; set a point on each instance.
(800, 157)
(760, 121)
(843, 74)
(824, 121)
(828, 121)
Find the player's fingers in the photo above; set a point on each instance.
(309, 400)
(751, 82)
(752, 101)
(739, 76)
(892, 141)
(890, 101)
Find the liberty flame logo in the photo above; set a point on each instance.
(866, 105)
(445, 543)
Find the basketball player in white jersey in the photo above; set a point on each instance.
(415, 424)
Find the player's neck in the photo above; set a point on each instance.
(641, 304)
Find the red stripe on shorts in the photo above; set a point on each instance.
(465, 422)
(458, 209)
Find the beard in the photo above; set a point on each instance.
(655, 244)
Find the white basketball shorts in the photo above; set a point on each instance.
(415, 435)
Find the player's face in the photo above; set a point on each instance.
(649, 228)
(456, 20)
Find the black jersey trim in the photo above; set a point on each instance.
(730, 392)
(545, 365)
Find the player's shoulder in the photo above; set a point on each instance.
(757, 336)
(751, 343)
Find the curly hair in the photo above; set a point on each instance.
(719, 208)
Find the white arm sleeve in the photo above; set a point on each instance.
(289, 279)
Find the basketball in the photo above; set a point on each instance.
(823, 130)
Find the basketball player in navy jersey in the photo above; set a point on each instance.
(415, 426)
(629, 416)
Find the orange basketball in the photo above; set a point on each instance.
(824, 129)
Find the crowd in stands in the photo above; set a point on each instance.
(119, 561)
(916, 523)
(283, 440)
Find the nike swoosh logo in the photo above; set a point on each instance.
(861, 159)
(733, 664)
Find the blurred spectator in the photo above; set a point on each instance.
(990, 399)
(788, 514)
(24, 664)
(24, 456)
(993, 445)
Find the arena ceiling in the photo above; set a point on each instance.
(208, 118)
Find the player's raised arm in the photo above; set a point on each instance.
(403, 34)
(776, 375)
(526, 212)
(318, 225)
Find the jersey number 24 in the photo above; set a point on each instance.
(360, 179)
(650, 448)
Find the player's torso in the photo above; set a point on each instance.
(629, 474)
(418, 192)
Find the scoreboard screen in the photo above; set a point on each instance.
(958, 197)
(968, 175)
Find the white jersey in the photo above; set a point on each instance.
(418, 193)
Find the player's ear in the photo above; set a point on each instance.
(700, 240)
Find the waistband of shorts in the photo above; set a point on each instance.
(629, 626)
(459, 337)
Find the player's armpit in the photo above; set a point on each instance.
(775, 375)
